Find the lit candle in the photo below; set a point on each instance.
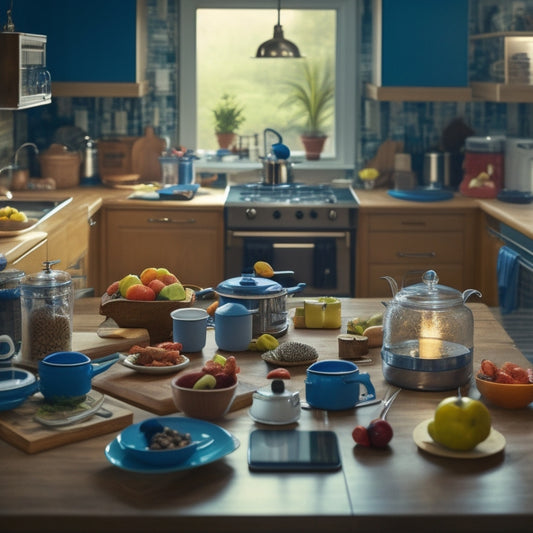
(429, 344)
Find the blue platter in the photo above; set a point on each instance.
(422, 195)
(224, 444)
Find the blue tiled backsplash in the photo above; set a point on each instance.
(419, 125)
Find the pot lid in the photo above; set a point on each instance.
(249, 285)
(47, 277)
(275, 391)
(429, 294)
(232, 309)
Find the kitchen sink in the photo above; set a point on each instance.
(37, 210)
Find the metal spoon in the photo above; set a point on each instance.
(387, 403)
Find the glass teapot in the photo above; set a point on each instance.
(428, 335)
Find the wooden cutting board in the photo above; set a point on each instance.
(145, 156)
(19, 429)
(119, 340)
(152, 391)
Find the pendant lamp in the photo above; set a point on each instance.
(278, 46)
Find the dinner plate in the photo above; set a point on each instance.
(129, 362)
(224, 444)
(273, 423)
(493, 444)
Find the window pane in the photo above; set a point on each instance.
(227, 40)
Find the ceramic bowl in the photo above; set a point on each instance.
(207, 404)
(506, 395)
(135, 443)
(153, 316)
(15, 387)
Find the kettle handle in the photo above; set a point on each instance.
(469, 292)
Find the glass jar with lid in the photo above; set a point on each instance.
(10, 318)
(428, 334)
(47, 304)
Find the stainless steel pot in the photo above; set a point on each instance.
(266, 299)
(277, 171)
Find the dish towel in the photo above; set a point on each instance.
(507, 268)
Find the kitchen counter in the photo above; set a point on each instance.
(74, 488)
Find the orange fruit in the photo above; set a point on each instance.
(140, 292)
(147, 275)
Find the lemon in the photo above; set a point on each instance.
(263, 269)
(19, 217)
(266, 342)
(368, 174)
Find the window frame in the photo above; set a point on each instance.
(347, 90)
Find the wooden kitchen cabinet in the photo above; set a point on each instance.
(187, 241)
(403, 245)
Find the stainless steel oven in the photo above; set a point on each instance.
(309, 230)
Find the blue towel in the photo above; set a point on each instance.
(507, 268)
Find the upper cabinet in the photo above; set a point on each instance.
(420, 51)
(95, 49)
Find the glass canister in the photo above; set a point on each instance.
(47, 305)
(10, 315)
(483, 175)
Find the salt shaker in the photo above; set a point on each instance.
(47, 304)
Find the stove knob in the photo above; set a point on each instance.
(299, 215)
(276, 214)
(313, 214)
(332, 215)
(251, 213)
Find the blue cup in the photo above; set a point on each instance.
(335, 385)
(189, 326)
(186, 170)
(66, 376)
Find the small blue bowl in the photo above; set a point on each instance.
(135, 443)
(15, 387)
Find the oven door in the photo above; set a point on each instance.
(322, 260)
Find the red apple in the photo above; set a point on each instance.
(360, 436)
(380, 433)
(169, 279)
(156, 285)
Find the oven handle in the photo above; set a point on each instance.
(290, 235)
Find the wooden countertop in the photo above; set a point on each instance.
(74, 488)
(87, 200)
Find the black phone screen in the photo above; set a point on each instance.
(271, 450)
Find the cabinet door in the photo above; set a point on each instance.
(190, 243)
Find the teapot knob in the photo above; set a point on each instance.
(430, 278)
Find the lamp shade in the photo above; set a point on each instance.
(278, 46)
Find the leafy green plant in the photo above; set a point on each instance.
(311, 96)
(228, 114)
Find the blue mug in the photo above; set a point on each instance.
(334, 385)
(66, 376)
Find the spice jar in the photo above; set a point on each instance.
(47, 302)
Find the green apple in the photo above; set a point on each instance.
(375, 320)
(460, 423)
(220, 359)
(126, 282)
(207, 381)
(174, 291)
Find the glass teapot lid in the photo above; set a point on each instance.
(429, 294)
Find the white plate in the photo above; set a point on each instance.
(271, 423)
(493, 444)
(129, 362)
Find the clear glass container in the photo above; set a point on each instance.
(47, 304)
(428, 336)
(10, 315)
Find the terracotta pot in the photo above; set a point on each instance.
(313, 147)
(225, 140)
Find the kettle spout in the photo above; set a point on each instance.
(392, 283)
(469, 292)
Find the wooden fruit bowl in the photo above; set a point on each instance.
(153, 316)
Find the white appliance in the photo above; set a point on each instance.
(519, 164)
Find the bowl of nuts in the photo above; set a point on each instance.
(159, 442)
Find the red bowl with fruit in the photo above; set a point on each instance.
(506, 395)
(151, 315)
(206, 404)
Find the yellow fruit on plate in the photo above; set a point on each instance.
(460, 423)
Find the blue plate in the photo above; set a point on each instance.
(179, 192)
(422, 195)
(224, 444)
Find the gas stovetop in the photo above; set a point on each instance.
(294, 205)
(289, 194)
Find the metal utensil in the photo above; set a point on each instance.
(387, 402)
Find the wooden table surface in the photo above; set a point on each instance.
(74, 488)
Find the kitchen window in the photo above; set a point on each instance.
(241, 26)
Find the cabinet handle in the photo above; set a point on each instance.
(92, 222)
(416, 254)
(166, 220)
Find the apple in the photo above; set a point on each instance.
(148, 274)
(175, 291)
(126, 282)
(460, 423)
(138, 291)
(379, 432)
(156, 285)
(112, 289)
(169, 279)
(205, 382)
(360, 436)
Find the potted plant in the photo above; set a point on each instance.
(228, 115)
(311, 97)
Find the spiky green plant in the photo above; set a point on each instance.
(311, 96)
(228, 114)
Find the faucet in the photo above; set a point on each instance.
(24, 145)
(14, 172)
